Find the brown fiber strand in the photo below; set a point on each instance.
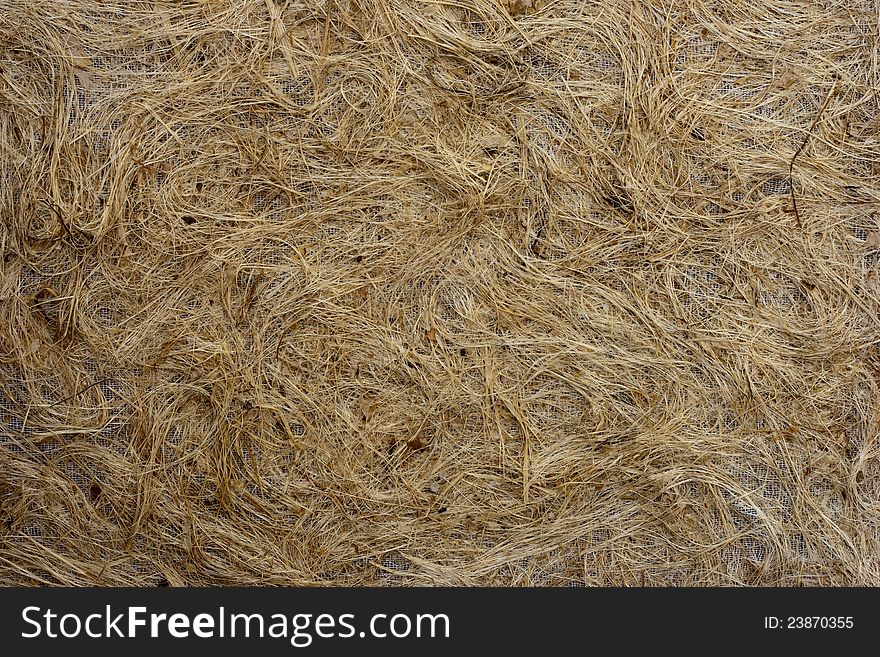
(396, 292)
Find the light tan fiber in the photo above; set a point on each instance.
(398, 292)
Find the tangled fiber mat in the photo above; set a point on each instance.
(421, 292)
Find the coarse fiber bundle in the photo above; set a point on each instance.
(423, 292)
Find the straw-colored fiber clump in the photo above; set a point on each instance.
(420, 292)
